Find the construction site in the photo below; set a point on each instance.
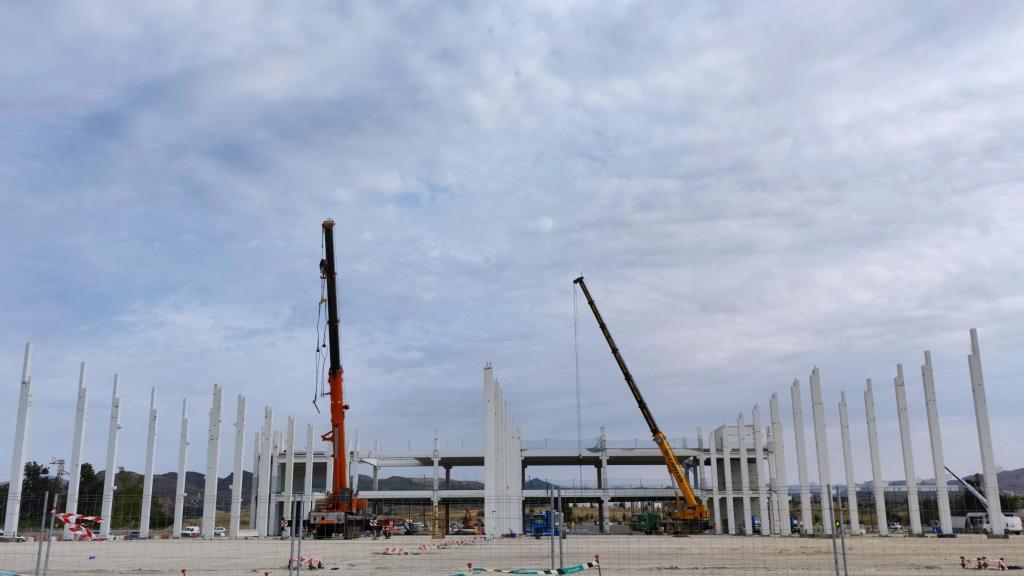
(726, 504)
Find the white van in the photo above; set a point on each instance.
(190, 532)
(1011, 525)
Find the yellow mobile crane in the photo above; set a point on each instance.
(693, 516)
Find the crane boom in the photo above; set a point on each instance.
(697, 510)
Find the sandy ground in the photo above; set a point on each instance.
(619, 555)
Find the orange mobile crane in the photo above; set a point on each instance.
(692, 517)
(340, 512)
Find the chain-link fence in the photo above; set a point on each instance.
(626, 535)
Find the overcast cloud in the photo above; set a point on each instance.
(751, 189)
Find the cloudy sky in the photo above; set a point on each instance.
(752, 190)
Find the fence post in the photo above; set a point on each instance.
(831, 509)
(49, 532)
(561, 532)
(42, 527)
(842, 528)
(551, 527)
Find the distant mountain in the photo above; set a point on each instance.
(165, 484)
(420, 483)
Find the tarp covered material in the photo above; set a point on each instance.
(567, 570)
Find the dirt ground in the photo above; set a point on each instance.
(619, 555)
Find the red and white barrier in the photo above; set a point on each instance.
(71, 521)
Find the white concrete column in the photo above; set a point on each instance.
(877, 482)
(741, 442)
(988, 463)
(605, 493)
(353, 466)
(75, 472)
(730, 506)
(821, 445)
(436, 460)
(255, 477)
(147, 479)
(262, 496)
(110, 474)
(237, 478)
(716, 503)
(779, 455)
(179, 489)
(935, 435)
(307, 480)
(20, 447)
(700, 485)
(806, 519)
(762, 487)
(908, 452)
(851, 481)
(276, 443)
(289, 469)
(212, 465)
(490, 454)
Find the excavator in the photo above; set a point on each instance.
(690, 517)
(340, 512)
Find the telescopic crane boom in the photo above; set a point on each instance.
(340, 512)
(694, 512)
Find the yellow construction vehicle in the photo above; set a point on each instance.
(691, 517)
